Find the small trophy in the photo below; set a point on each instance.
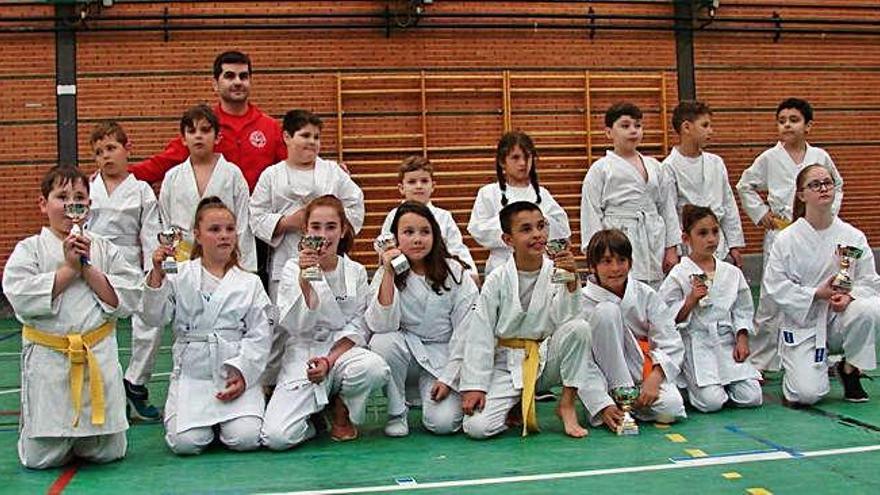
(625, 397)
(170, 237)
(316, 242)
(843, 281)
(77, 213)
(702, 277)
(385, 242)
(554, 247)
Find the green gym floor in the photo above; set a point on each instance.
(833, 447)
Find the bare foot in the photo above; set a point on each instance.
(568, 414)
(341, 427)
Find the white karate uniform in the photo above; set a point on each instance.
(703, 181)
(129, 218)
(710, 373)
(47, 435)
(341, 300)
(179, 198)
(422, 334)
(774, 173)
(217, 323)
(617, 325)
(614, 195)
(485, 226)
(448, 231)
(801, 260)
(551, 314)
(280, 192)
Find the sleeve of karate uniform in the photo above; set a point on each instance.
(743, 307)
(838, 183)
(254, 352)
(673, 294)
(28, 290)
(557, 218)
(153, 169)
(667, 348)
(386, 225)
(866, 281)
(246, 245)
(792, 298)
(125, 279)
(263, 220)
(352, 198)
(382, 319)
(157, 305)
(356, 328)
(454, 241)
(294, 315)
(150, 227)
(752, 180)
(731, 224)
(564, 305)
(591, 204)
(165, 203)
(484, 225)
(479, 346)
(462, 309)
(667, 209)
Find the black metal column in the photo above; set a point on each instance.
(684, 50)
(65, 81)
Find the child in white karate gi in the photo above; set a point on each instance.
(222, 321)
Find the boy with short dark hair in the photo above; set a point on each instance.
(699, 178)
(68, 290)
(773, 173)
(416, 183)
(521, 315)
(628, 191)
(205, 173)
(125, 211)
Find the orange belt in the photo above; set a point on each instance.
(648, 365)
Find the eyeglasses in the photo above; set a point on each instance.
(818, 185)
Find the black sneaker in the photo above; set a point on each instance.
(852, 385)
(138, 403)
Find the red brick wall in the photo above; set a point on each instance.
(145, 82)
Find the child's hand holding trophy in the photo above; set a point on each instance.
(315, 243)
(77, 213)
(560, 275)
(386, 242)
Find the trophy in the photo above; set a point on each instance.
(847, 255)
(170, 237)
(385, 242)
(702, 277)
(554, 247)
(77, 213)
(625, 397)
(316, 242)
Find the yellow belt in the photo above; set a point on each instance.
(530, 365)
(78, 348)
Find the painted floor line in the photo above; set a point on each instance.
(683, 464)
(17, 390)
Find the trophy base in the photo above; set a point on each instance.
(313, 274)
(562, 277)
(628, 426)
(169, 266)
(400, 264)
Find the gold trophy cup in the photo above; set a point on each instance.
(560, 275)
(170, 237)
(625, 397)
(316, 242)
(77, 213)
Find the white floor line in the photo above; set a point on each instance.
(684, 464)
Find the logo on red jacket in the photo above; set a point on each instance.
(258, 139)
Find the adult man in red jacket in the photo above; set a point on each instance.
(248, 137)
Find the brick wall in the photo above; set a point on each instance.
(145, 82)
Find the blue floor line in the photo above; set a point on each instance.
(9, 336)
(773, 445)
